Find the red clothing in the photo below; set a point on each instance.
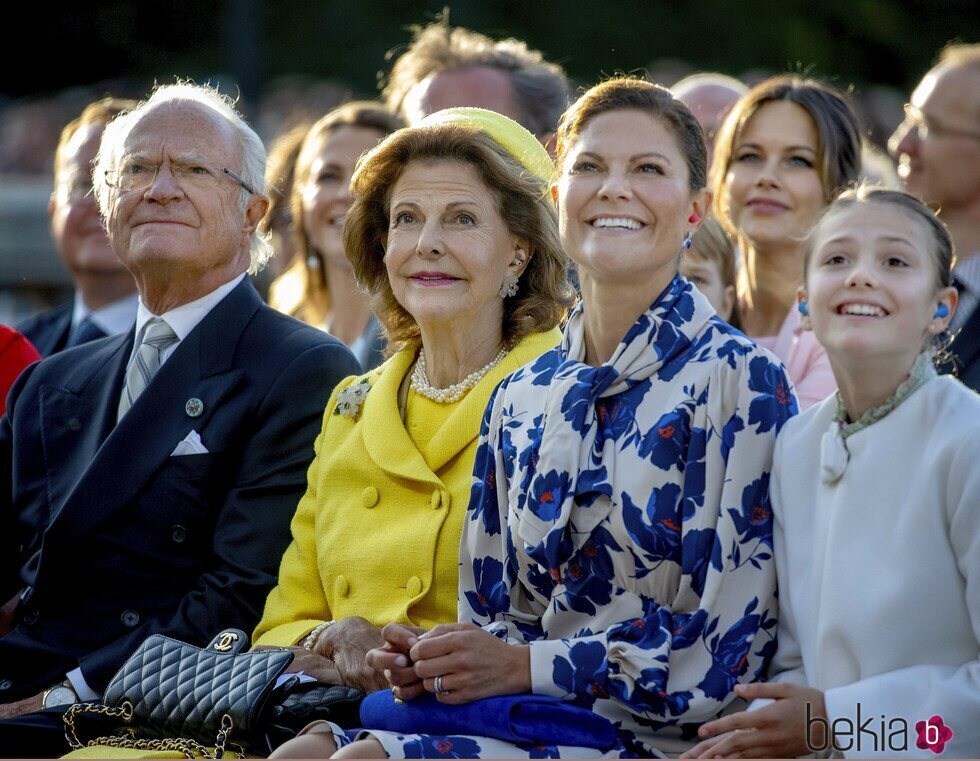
(16, 353)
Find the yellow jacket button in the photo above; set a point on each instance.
(369, 497)
(414, 586)
(341, 587)
(436, 499)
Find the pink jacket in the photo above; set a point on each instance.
(806, 361)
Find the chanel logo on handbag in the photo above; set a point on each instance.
(174, 696)
(225, 641)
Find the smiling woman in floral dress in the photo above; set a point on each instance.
(617, 550)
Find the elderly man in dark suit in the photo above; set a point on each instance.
(148, 480)
(105, 297)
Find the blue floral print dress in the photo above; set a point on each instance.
(619, 525)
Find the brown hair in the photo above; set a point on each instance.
(279, 171)
(942, 249)
(838, 133)
(639, 95)
(713, 245)
(541, 90)
(101, 112)
(545, 294)
(313, 307)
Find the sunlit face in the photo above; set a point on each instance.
(706, 277)
(871, 284)
(197, 235)
(943, 167)
(75, 224)
(326, 191)
(448, 247)
(479, 86)
(772, 190)
(623, 199)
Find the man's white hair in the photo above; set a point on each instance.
(253, 151)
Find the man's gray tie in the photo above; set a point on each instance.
(157, 336)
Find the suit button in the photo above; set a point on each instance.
(74, 424)
(414, 586)
(341, 587)
(178, 533)
(130, 618)
(436, 500)
(31, 617)
(5, 684)
(369, 497)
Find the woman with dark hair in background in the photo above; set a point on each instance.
(785, 150)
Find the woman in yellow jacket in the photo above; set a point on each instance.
(453, 235)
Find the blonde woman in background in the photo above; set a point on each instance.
(319, 287)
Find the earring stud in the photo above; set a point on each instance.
(941, 311)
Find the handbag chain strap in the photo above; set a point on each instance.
(190, 748)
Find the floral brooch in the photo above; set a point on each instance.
(349, 400)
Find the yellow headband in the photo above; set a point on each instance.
(520, 143)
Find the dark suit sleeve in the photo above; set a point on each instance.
(10, 582)
(252, 529)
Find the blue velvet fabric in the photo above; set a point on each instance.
(515, 718)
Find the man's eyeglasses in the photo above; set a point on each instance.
(137, 174)
(925, 126)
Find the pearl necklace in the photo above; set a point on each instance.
(455, 392)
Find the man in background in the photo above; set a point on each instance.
(105, 294)
(710, 96)
(448, 66)
(938, 150)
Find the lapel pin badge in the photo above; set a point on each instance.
(194, 407)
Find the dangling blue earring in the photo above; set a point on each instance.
(687, 240)
(941, 311)
(803, 308)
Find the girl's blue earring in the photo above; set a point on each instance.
(941, 311)
(803, 308)
(687, 240)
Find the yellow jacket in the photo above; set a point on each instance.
(377, 532)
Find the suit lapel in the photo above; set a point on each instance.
(76, 417)
(201, 367)
(384, 435)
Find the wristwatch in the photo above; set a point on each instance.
(62, 694)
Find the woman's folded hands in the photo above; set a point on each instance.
(469, 663)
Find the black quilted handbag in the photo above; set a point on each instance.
(174, 696)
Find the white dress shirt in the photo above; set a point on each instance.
(112, 319)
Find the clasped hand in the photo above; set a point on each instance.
(471, 662)
(338, 656)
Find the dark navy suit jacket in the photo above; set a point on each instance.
(115, 539)
(49, 330)
(966, 348)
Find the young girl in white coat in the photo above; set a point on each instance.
(876, 494)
